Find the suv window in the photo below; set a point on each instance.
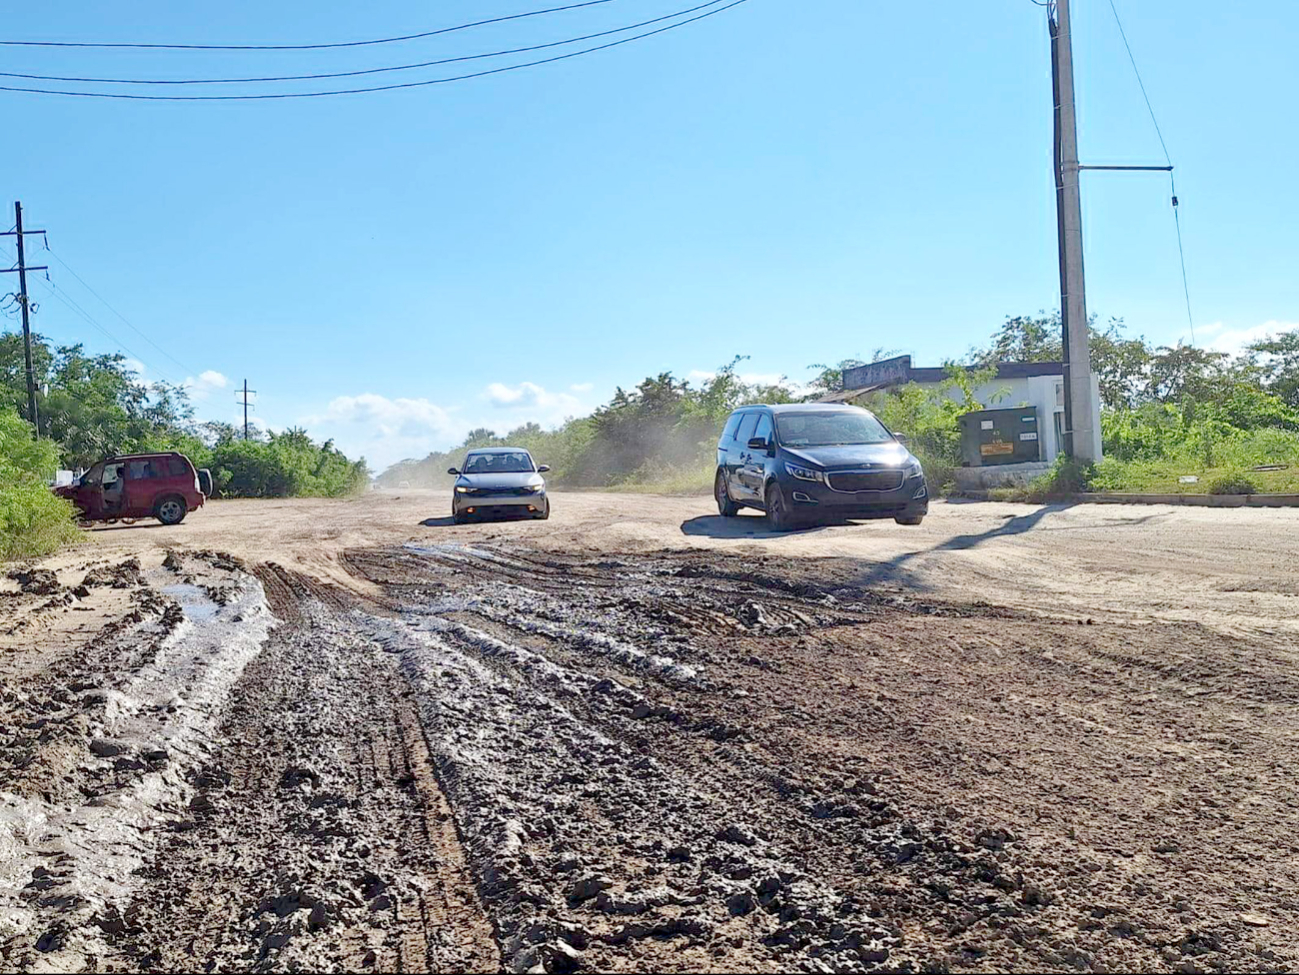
(745, 433)
(728, 433)
(764, 428)
(139, 470)
(177, 467)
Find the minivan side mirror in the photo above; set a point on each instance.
(758, 443)
(900, 437)
(543, 469)
(454, 470)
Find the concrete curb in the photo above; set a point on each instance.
(1195, 500)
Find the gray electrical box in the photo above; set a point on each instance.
(993, 437)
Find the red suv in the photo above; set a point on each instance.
(163, 486)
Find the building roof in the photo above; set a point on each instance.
(898, 372)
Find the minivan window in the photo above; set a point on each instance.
(764, 428)
(733, 424)
(745, 433)
(830, 429)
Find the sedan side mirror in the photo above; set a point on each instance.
(454, 470)
(758, 443)
(543, 469)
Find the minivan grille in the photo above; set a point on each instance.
(855, 481)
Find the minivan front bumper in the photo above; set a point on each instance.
(815, 499)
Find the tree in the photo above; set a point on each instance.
(1280, 365)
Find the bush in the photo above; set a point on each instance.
(1065, 478)
(33, 522)
(1234, 482)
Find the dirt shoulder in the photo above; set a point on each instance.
(638, 738)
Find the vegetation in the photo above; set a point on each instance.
(1167, 413)
(93, 406)
(32, 521)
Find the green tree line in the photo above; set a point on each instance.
(1179, 406)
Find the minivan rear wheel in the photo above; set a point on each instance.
(725, 506)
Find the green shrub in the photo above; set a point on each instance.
(1234, 482)
(1065, 478)
(33, 522)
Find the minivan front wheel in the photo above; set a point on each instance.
(779, 517)
(725, 506)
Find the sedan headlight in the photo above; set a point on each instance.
(804, 473)
(535, 488)
(466, 490)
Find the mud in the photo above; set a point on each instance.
(492, 756)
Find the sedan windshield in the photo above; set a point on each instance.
(830, 429)
(514, 462)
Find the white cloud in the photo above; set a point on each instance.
(135, 366)
(385, 430)
(1234, 340)
(582, 387)
(529, 396)
(205, 385)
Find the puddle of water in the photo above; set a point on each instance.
(194, 602)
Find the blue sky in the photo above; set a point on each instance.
(794, 182)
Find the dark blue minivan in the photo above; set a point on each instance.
(815, 462)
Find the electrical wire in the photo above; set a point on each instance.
(362, 91)
(353, 74)
(129, 324)
(1177, 212)
(58, 293)
(305, 47)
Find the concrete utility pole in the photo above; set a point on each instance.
(1081, 441)
(23, 301)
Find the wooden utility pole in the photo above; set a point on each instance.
(23, 301)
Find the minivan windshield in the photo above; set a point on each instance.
(512, 462)
(830, 429)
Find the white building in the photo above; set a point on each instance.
(1036, 384)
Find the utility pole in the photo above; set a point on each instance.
(245, 401)
(1080, 407)
(22, 270)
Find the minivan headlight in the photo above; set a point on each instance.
(913, 469)
(804, 473)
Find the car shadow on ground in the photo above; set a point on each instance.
(123, 528)
(741, 526)
(446, 522)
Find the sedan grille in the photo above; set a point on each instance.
(854, 482)
(503, 492)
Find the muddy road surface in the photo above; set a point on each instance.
(312, 739)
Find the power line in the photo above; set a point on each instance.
(353, 74)
(1137, 71)
(71, 304)
(305, 47)
(124, 319)
(1177, 212)
(362, 91)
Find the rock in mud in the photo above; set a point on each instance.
(103, 748)
(124, 575)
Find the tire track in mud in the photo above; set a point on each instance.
(318, 837)
(625, 816)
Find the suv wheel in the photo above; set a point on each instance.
(725, 506)
(778, 514)
(172, 510)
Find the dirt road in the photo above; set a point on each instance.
(328, 736)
